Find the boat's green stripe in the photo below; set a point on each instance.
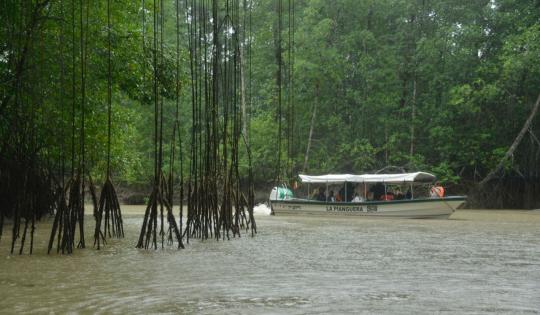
(453, 198)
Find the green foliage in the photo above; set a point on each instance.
(445, 173)
(358, 155)
(469, 69)
(263, 147)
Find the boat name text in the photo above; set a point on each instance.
(335, 208)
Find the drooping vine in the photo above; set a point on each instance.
(61, 224)
(290, 93)
(159, 204)
(176, 133)
(217, 207)
(284, 83)
(109, 207)
(27, 185)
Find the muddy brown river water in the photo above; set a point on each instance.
(477, 262)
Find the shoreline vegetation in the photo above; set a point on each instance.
(281, 89)
(363, 86)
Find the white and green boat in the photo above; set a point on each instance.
(283, 202)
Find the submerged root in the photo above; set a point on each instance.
(148, 236)
(26, 194)
(109, 212)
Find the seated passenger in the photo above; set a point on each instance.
(349, 191)
(314, 195)
(362, 189)
(408, 194)
(398, 195)
(436, 191)
(357, 198)
(321, 196)
(331, 197)
(370, 196)
(388, 196)
(377, 190)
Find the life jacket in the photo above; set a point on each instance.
(387, 197)
(437, 191)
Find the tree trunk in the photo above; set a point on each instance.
(243, 95)
(413, 117)
(386, 142)
(279, 64)
(313, 115)
(514, 145)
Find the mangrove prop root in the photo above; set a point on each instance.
(157, 204)
(26, 194)
(215, 206)
(110, 214)
(62, 226)
(93, 194)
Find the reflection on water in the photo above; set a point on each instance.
(479, 262)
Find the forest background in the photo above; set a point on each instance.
(438, 86)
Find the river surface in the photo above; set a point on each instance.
(477, 262)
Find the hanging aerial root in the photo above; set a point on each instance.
(93, 194)
(62, 226)
(26, 194)
(76, 210)
(69, 204)
(243, 215)
(110, 214)
(156, 208)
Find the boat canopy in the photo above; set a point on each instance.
(418, 177)
(330, 178)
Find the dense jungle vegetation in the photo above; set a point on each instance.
(439, 86)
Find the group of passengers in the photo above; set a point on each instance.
(359, 193)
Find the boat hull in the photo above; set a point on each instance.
(436, 208)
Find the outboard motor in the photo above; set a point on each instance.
(279, 193)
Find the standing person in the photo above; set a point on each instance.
(437, 191)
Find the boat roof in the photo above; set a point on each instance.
(417, 177)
